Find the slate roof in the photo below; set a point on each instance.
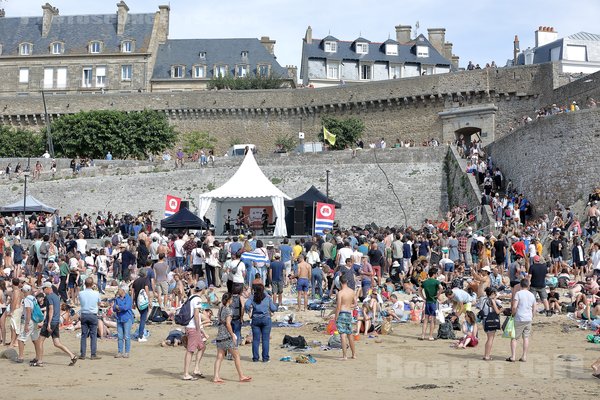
(218, 52)
(406, 52)
(75, 32)
(542, 54)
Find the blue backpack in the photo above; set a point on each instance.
(37, 315)
(184, 315)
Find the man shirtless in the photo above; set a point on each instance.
(304, 271)
(346, 302)
(16, 310)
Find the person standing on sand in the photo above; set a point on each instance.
(523, 310)
(346, 302)
(430, 290)
(304, 271)
(50, 327)
(197, 338)
(227, 341)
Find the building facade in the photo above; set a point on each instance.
(121, 52)
(189, 64)
(330, 61)
(577, 53)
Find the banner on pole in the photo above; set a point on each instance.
(172, 205)
(324, 216)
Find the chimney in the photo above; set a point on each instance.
(545, 35)
(122, 10)
(2, 13)
(516, 50)
(437, 37)
(292, 71)
(269, 44)
(49, 13)
(163, 23)
(447, 53)
(308, 36)
(403, 33)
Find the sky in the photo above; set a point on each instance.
(481, 30)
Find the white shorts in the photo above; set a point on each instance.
(33, 333)
(406, 262)
(288, 267)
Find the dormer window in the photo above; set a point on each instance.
(391, 49)
(57, 48)
(95, 47)
(200, 71)
(127, 46)
(202, 55)
(362, 48)
(330, 47)
(244, 54)
(422, 51)
(25, 49)
(177, 71)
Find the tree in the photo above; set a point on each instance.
(125, 135)
(20, 142)
(247, 82)
(347, 131)
(196, 141)
(285, 142)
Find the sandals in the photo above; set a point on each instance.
(245, 379)
(487, 358)
(198, 374)
(73, 361)
(189, 378)
(37, 364)
(510, 360)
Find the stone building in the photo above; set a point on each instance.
(577, 53)
(189, 64)
(330, 61)
(81, 53)
(118, 53)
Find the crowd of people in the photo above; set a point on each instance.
(551, 110)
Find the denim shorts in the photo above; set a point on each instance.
(302, 285)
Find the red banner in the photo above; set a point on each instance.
(172, 205)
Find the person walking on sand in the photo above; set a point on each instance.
(346, 302)
(196, 335)
(50, 327)
(304, 271)
(430, 290)
(227, 341)
(523, 310)
(89, 300)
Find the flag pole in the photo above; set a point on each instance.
(314, 218)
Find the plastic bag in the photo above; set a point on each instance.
(509, 328)
(440, 317)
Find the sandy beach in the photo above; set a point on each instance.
(392, 365)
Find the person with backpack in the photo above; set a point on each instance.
(237, 274)
(227, 341)
(141, 297)
(29, 323)
(194, 330)
(491, 308)
(261, 306)
(123, 307)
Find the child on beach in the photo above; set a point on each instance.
(469, 329)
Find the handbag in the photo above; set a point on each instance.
(491, 322)
(508, 329)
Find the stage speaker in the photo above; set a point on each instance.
(299, 217)
(184, 204)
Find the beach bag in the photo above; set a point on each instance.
(445, 331)
(386, 327)
(297, 342)
(142, 300)
(508, 329)
(335, 342)
(184, 315)
(331, 327)
(157, 315)
(37, 315)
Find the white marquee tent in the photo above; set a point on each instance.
(247, 186)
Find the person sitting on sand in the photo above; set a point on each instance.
(396, 311)
(553, 300)
(369, 311)
(469, 329)
(173, 338)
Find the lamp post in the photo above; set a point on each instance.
(26, 173)
(327, 185)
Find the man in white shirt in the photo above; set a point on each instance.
(447, 265)
(195, 332)
(237, 274)
(81, 244)
(179, 252)
(523, 310)
(344, 253)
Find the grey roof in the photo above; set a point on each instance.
(390, 41)
(75, 32)
(585, 36)
(406, 52)
(218, 52)
(329, 38)
(362, 40)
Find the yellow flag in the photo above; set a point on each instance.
(328, 136)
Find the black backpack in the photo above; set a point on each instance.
(296, 342)
(184, 315)
(445, 331)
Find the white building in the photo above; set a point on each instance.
(577, 53)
